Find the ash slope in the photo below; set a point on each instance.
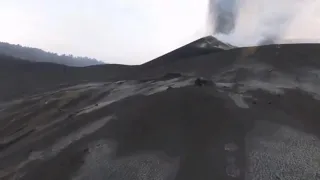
(21, 77)
(258, 119)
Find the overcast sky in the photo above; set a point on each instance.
(135, 31)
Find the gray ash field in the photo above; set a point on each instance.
(255, 116)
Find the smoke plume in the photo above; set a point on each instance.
(255, 22)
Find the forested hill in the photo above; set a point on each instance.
(38, 55)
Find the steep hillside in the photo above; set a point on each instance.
(20, 77)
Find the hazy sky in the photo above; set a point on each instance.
(117, 31)
(135, 31)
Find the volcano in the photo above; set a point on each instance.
(207, 110)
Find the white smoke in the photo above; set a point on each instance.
(268, 21)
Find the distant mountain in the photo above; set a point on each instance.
(38, 55)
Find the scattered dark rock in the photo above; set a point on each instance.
(70, 115)
(254, 102)
(86, 150)
(169, 88)
(269, 102)
(202, 82)
(30, 151)
(96, 104)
